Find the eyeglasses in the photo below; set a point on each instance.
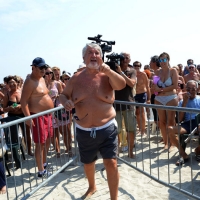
(191, 67)
(66, 79)
(136, 65)
(47, 73)
(192, 89)
(163, 60)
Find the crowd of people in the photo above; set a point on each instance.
(91, 91)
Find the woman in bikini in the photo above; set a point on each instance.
(65, 78)
(12, 105)
(55, 89)
(166, 88)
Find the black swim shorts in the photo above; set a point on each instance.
(90, 142)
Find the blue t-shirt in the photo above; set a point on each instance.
(192, 103)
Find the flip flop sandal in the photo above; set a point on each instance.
(181, 161)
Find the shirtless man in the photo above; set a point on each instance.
(192, 74)
(143, 95)
(91, 92)
(35, 99)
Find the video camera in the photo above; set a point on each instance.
(114, 57)
(107, 47)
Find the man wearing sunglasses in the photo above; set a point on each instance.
(190, 100)
(193, 75)
(35, 99)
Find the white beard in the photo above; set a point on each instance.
(93, 66)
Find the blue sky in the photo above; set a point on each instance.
(57, 30)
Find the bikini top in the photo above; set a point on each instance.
(53, 92)
(167, 83)
(10, 103)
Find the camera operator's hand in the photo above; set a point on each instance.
(104, 68)
(118, 68)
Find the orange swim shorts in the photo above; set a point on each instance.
(43, 128)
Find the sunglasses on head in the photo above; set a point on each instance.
(47, 73)
(66, 79)
(163, 60)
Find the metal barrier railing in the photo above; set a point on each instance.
(159, 164)
(151, 160)
(24, 180)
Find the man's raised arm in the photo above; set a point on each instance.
(117, 82)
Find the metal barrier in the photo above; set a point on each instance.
(23, 180)
(151, 160)
(159, 164)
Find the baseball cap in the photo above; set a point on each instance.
(38, 62)
(68, 74)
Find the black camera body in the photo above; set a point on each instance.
(114, 57)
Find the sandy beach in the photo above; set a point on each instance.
(72, 184)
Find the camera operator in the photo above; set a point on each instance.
(126, 94)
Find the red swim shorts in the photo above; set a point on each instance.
(43, 128)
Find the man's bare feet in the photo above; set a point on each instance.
(89, 193)
(3, 190)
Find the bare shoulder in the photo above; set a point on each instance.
(143, 74)
(29, 83)
(173, 70)
(76, 76)
(157, 72)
